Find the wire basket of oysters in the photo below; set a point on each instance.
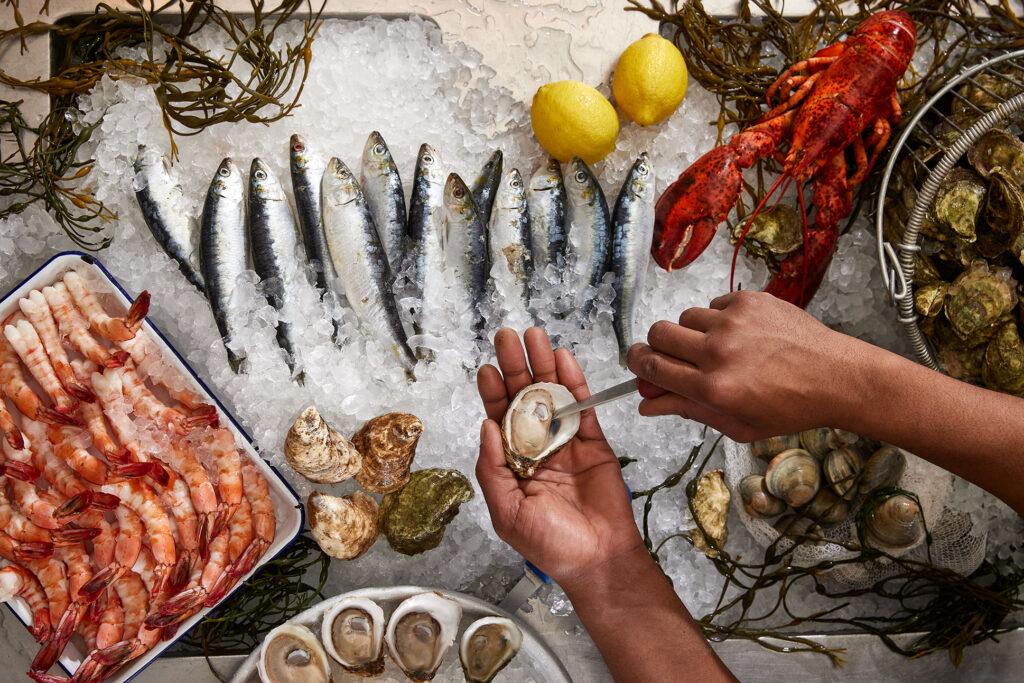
(825, 494)
(950, 224)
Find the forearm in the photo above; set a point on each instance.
(973, 432)
(639, 624)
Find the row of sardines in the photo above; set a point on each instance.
(491, 238)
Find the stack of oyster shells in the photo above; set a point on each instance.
(416, 506)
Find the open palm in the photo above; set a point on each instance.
(574, 512)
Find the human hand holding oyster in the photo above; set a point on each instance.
(571, 514)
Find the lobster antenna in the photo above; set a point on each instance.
(743, 235)
(803, 271)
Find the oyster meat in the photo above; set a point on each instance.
(420, 632)
(526, 425)
(388, 445)
(353, 633)
(292, 654)
(487, 646)
(319, 453)
(344, 528)
(711, 510)
(413, 519)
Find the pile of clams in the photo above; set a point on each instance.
(417, 637)
(416, 506)
(820, 476)
(968, 273)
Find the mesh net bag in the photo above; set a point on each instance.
(954, 543)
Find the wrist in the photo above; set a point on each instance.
(618, 572)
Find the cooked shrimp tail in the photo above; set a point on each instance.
(75, 535)
(19, 470)
(53, 648)
(205, 419)
(15, 580)
(179, 608)
(10, 429)
(117, 359)
(132, 470)
(100, 580)
(224, 583)
(248, 559)
(33, 550)
(104, 501)
(56, 417)
(179, 574)
(138, 311)
(73, 507)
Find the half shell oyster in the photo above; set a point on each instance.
(292, 654)
(711, 510)
(319, 453)
(353, 634)
(420, 631)
(344, 528)
(413, 519)
(388, 444)
(525, 426)
(487, 646)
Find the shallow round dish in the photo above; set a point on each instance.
(535, 661)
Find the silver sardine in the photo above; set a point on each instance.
(632, 230)
(306, 169)
(359, 260)
(382, 188)
(545, 198)
(509, 243)
(164, 209)
(466, 249)
(224, 250)
(588, 234)
(276, 251)
(425, 239)
(486, 184)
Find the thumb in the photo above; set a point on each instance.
(498, 483)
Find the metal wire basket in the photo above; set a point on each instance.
(897, 260)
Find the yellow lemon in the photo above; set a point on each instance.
(572, 119)
(650, 80)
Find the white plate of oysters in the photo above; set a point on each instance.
(402, 633)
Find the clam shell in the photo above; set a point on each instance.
(353, 634)
(524, 427)
(291, 654)
(420, 632)
(827, 508)
(388, 445)
(841, 468)
(800, 529)
(711, 508)
(890, 520)
(793, 476)
(767, 448)
(344, 528)
(487, 646)
(883, 468)
(756, 498)
(319, 453)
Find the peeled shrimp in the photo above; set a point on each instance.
(103, 324)
(75, 328)
(69, 447)
(92, 415)
(130, 532)
(146, 357)
(16, 580)
(9, 428)
(240, 537)
(219, 446)
(186, 603)
(14, 386)
(140, 498)
(26, 343)
(264, 524)
(148, 406)
(79, 571)
(13, 522)
(111, 626)
(37, 311)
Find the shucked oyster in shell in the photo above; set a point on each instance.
(344, 528)
(292, 654)
(487, 646)
(319, 453)
(413, 519)
(420, 631)
(353, 633)
(388, 445)
(525, 426)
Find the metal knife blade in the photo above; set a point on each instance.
(610, 394)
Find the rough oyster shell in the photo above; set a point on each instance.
(487, 646)
(978, 300)
(420, 631)
(353, 634)
(1003, 215)
(1003, 368)
(292, 654)
(319, 453)
(757, 501)
(998, 149)
(793, 476)
(344, 528)
(958, 203)
(524, 427)
(413, 519)
(711, 509)
(777, 231)
(388, 445)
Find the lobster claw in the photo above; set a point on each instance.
(689, 211)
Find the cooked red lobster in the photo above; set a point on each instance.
(843, 96)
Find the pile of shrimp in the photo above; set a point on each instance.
(120, 515)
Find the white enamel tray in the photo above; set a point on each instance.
(287, 507)
(535, 661)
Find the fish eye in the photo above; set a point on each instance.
(427, 159)
(378, 148)
(299, 147)
(343, 173)
(516, 183)
(458, 193)
(224, 171)
(260, 175)
(581, 177)
(642, 168)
